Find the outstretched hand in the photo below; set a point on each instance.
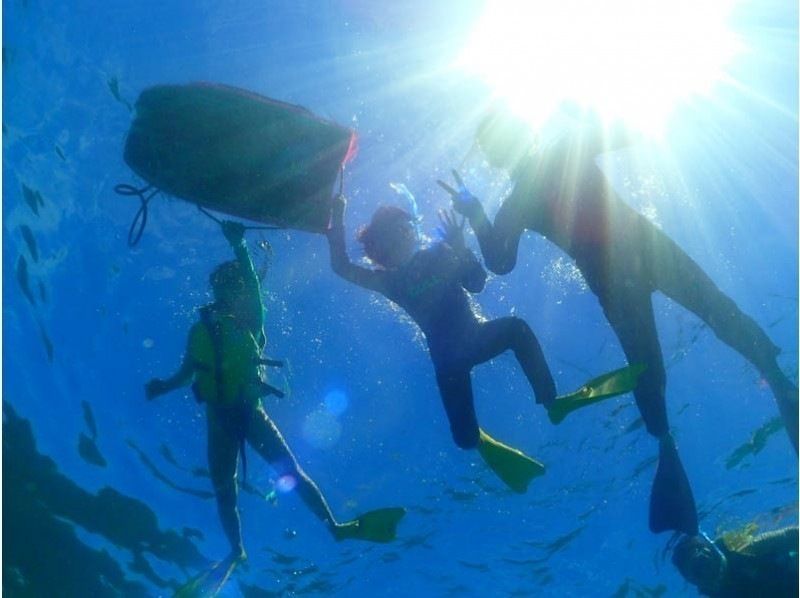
(450, 230)
(154, 388)
(464, 202)
(233, 231)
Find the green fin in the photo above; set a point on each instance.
(595, 390)
(209, 583)
(514, 467)
(374, 526)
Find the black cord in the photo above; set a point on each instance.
(140, 220)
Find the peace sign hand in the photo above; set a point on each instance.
(463, 201)
(451, 231)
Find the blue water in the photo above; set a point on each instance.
(722, 183)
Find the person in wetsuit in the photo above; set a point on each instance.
(765, 565)
(561, 193)
(223, 360)
(432, 284)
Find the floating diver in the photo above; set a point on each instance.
(223, 360)
(733, 566)
(562, 194)
(431, 284)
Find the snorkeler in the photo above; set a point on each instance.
(223, 360)
(762, 565)
(563, 195)
(431, 285)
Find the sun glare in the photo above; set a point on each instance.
(626, 59)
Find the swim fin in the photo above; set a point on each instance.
(786, 396)
(514, 467)
(672, 506)
(374, 526)
(209, 583)
(595, 390)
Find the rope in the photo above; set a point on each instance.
(218, 221)
(140, 220)
(148, 192)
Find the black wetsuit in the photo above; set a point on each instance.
(432, 287)
(563, 195)
(767, 567)
(624, 258)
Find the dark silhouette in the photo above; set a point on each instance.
(561, 193)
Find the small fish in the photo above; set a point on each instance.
(643, 466)
(89, 452)
(60, 153)
(32, 198)
(757, 442)
(151, 467)
(42, 292)
(22, 279)
(48, 345)
(190, 532)
(113, 86)
(30, 241)
(280, 558)
(88, 417)
(634, 425)
(168, 456)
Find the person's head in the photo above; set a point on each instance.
(504, 138)
(390, 239)
(227, 283)
(700, 562)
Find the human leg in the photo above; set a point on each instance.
(455, 388)
(223, 452)
(681, 278)
(268, 442)
(376, 526)
(630, 314)
(512, 466)
(496, 336)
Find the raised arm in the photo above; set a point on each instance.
(252, 307)
(157, 386)
(778, 542)
(340, 262)
(499, 241)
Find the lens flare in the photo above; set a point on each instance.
(336, 402)
(321, 429)
(285, 484)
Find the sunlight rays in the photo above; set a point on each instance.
(626, 59)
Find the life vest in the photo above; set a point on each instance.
(226, 359)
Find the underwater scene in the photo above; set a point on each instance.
(353, 298)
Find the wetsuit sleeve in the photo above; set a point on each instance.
(254, 307)
(367, 278)
(782, 541)
(180, 378)
(471, 273)
(499, 241)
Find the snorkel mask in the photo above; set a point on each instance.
(706, 579)
(411, 206)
